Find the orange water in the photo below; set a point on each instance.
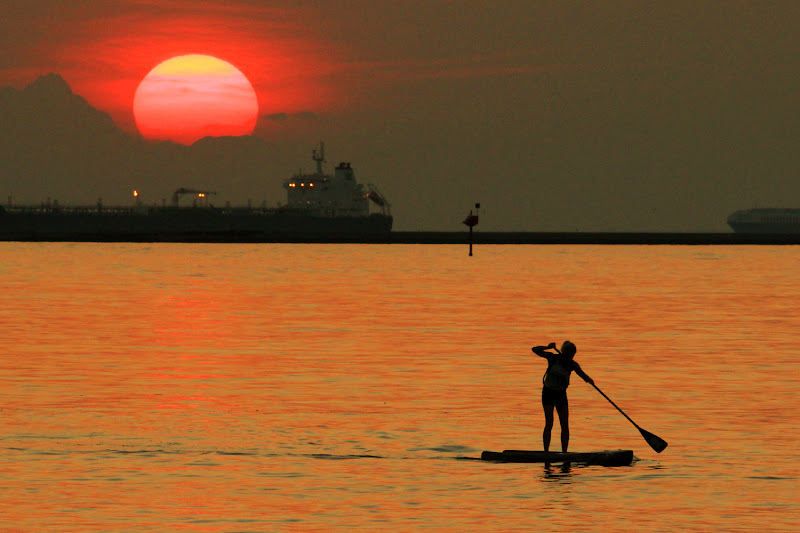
(172, 387)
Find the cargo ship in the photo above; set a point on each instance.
(776, 221)
(320, 208)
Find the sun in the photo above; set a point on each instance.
(193, 96)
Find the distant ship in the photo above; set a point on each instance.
(320, 208)
(774, 221)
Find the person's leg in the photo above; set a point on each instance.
(548, 425)
(563, 419)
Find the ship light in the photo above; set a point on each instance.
(201, 195)
(135, 194)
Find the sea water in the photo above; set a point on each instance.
(281, 387)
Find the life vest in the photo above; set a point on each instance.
(557, 375)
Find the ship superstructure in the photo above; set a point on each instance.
(336, 195)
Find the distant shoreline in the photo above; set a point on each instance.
(433, 237)
(594, 238)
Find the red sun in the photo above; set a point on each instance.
(190, 97)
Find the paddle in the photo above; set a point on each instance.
(655, 442)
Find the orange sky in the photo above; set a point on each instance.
(300, 60)
(104, 51)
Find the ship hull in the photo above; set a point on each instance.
(774, 221)
(193, 225)
(765, 228)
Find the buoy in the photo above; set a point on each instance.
(472, 221)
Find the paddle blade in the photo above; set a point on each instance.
(655, 442)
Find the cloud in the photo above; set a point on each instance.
(302, 115)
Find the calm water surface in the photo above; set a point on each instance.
(171, 387)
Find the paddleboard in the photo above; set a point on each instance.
(603, 458)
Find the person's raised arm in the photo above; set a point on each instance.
(541, 350)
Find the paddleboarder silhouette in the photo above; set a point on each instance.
(554, 390)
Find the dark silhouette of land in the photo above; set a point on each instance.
(54, 145)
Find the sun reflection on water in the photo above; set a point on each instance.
(189, 387)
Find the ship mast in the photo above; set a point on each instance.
(319, 157)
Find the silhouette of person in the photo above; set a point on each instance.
(554, 391)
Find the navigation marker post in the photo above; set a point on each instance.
(471, 221)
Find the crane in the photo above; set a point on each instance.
(176, 196)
